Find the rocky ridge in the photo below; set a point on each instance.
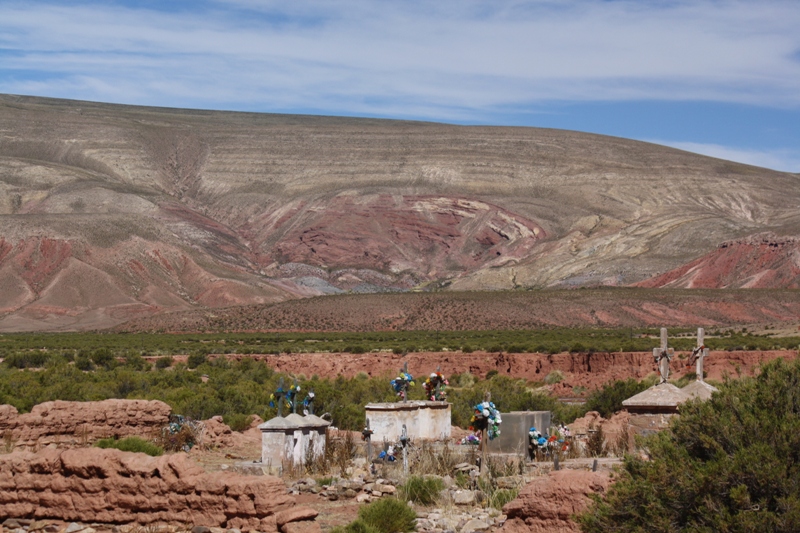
(113, 212)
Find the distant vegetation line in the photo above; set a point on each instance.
(33, 349)
(203, 387)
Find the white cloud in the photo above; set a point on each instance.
(783, 160)
(452, 57)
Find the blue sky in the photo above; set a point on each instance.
(711, 76)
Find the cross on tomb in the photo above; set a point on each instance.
(279, 397)
(663, 356)
(367, 434)
(438, 393)
(698, 354)
(404, 443)
(293, 399)
(405, 382)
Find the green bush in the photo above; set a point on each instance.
(82, 362)
(388, 515)
(730, 463)
(26, 359)
(164, 362)
(196, 359)
(238, 422)
(608, 400)
(131, 444)
(422, 490)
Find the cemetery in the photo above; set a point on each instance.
(502, 469)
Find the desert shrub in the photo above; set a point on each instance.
(135, 361)
(132, 444)
(596, 443)
(467, 348)
(421, 490)
(103, 357)
(556, 376)
(164, 362)
(500, 497)
(238, 421)
(727, 464)
(357, 350)
(608, 400)
(491, 373)
(26, 359)
(196, 359)
(397, 350)
(388, 515)
(82, 362)
(356, 526)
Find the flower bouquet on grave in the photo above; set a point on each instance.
(308, 402)
(486, 416)
(471, 440)
(278, 396)
(434, 387)
(401, 383)
(291, 394)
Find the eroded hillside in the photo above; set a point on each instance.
(115, 212)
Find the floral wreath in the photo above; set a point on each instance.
(486, 416)
(401, 383)
(434, 387)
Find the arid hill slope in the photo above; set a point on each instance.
(463, 311)
(111, 212)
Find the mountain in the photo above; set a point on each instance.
(111, 212)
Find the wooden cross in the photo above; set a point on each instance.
(295, 397)
(699, 353)
(484, 444)
(368, 438)
(279, 397)
(404, 442)
(663, 356)
(404, 370)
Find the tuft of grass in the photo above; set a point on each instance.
(388, 515)
(556, 376)
(422, 490)
(132, 444)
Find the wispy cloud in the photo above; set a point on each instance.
(785, 160)
(466, 61)
(363, 55)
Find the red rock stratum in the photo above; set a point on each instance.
(112, 212)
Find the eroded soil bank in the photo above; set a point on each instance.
(588, 370)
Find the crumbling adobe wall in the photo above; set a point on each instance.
(69, 424)
(114, 487)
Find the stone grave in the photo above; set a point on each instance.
(291, 439)
(428, 420)
(514, 436)
(651, 409)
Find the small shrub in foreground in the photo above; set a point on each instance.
(422, 490)
(131, 444)
(388, 515)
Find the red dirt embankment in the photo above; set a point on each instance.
(590, 370)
